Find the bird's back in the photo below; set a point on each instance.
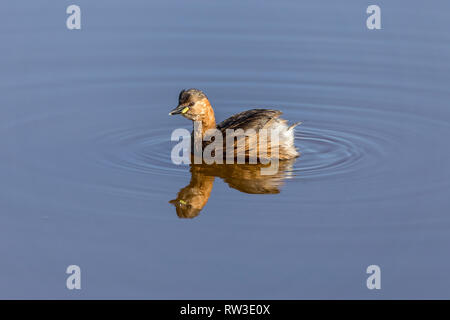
(251, 119)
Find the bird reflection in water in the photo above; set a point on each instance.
(243, 177)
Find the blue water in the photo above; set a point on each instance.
(85, 170)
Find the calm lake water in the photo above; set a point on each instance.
(85, 170)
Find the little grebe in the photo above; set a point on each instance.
(194, 105)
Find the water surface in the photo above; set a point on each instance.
(85, 170)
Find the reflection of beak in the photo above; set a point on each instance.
(184, 209)
(178, 202)
(178, 110)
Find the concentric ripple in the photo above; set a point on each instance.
(327, 149)
(326, 152)
(356, 145)
(141, 149)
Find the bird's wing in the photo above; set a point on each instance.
(255, 119)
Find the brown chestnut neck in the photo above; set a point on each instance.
(206, 117)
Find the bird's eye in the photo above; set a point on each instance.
(191, 104)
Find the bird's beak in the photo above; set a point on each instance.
(178, 110)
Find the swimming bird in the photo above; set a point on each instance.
(194, 105)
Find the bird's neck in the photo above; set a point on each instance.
(207, 120)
